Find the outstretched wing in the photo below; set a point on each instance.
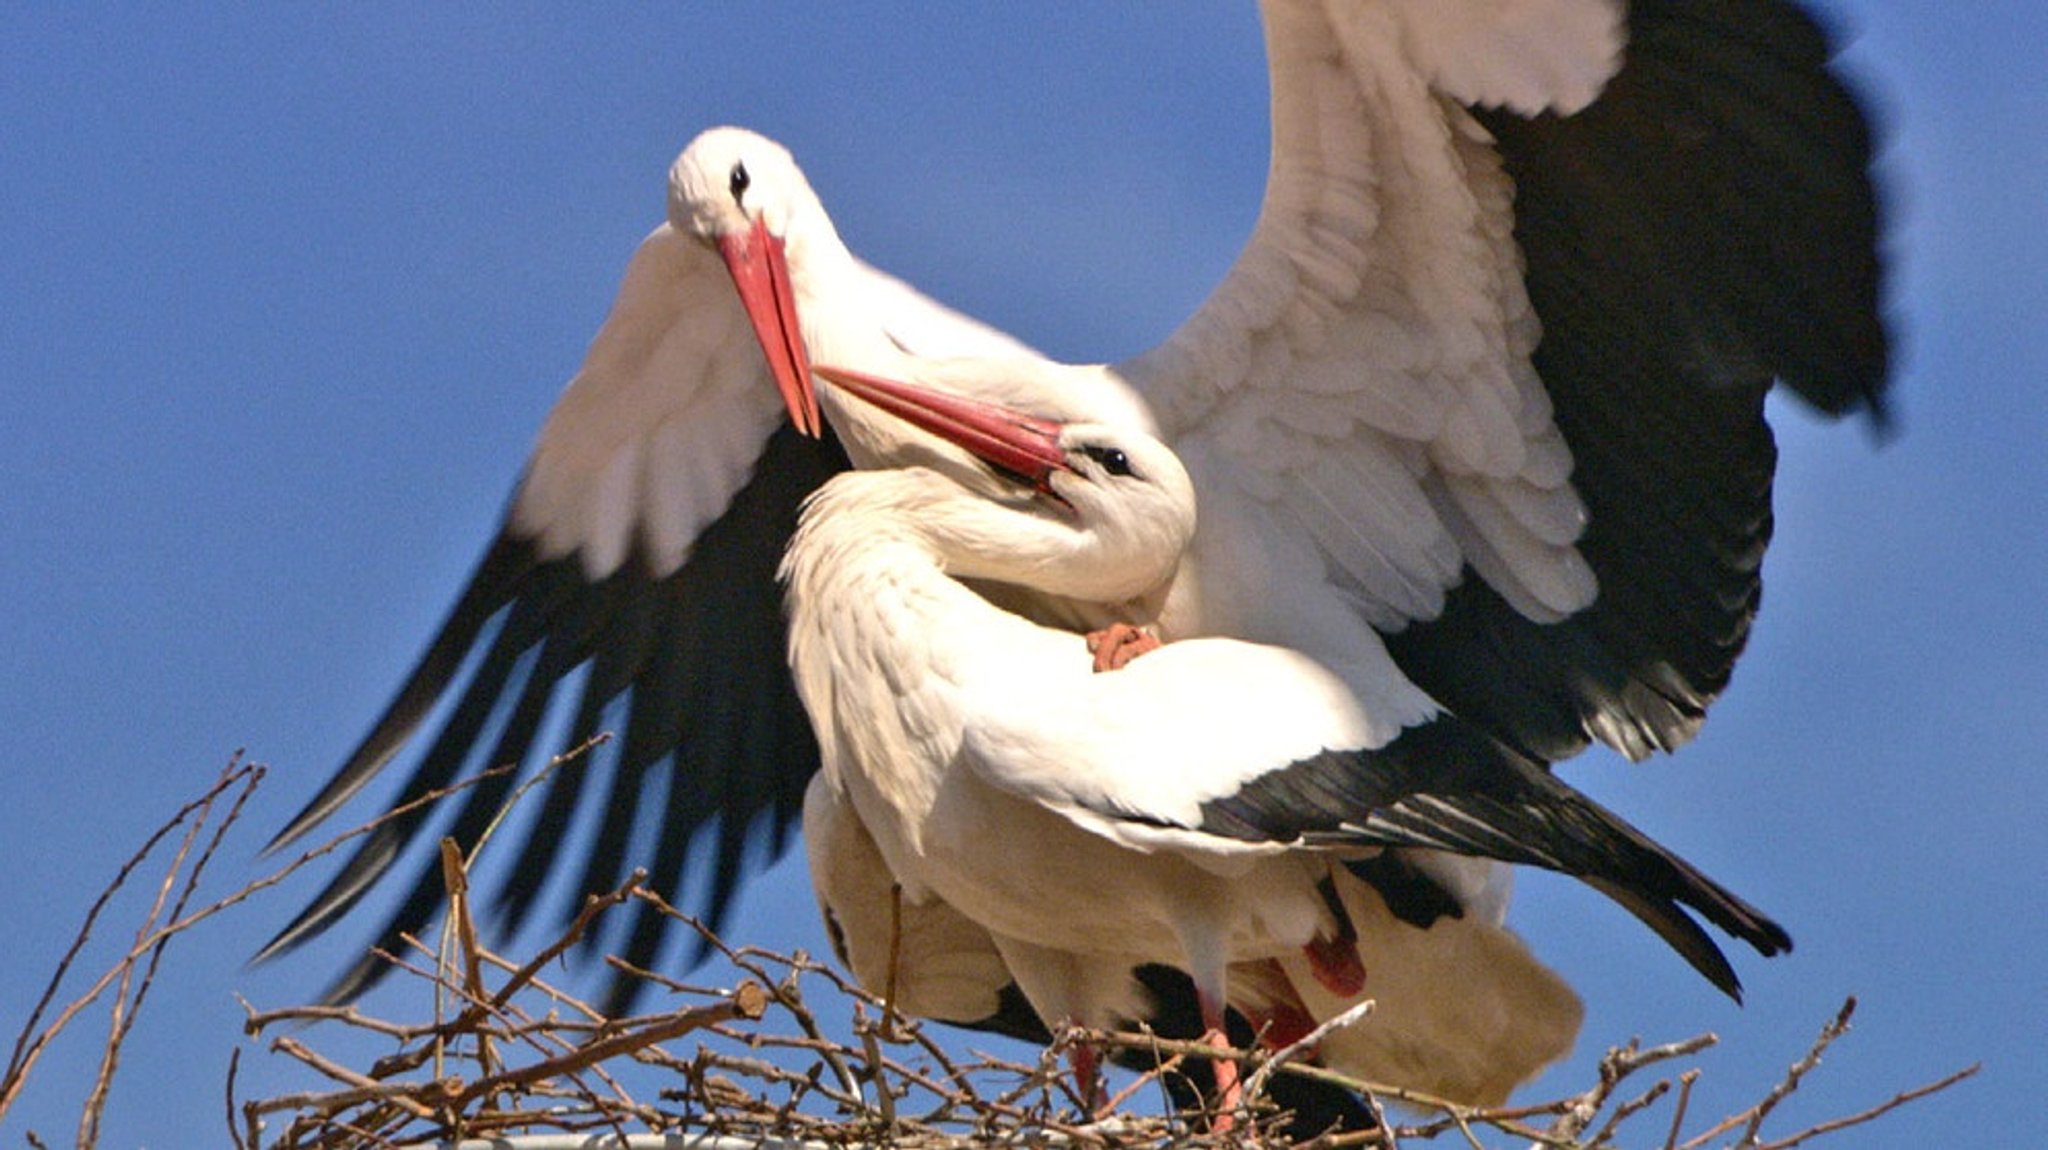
(1491, 368)
(631, 588)
(1706, 228)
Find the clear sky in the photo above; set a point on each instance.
(285, 292)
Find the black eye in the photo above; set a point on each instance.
(1112, 459)
(740, 182)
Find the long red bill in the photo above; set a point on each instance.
(760, 271)
(1023, 445)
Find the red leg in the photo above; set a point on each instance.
(1087, 1068)
(1119, 643)
(1271, 1004)
(1229, 1096)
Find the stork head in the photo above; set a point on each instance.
(1123, 505)
(743, 194)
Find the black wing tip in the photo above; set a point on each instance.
(1726, 910)
(1880, 416)
(497, 579)
(1680, 932)
(340, 789)
(1771, 940)
(1508, 808)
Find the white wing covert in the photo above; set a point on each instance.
(1363, 371)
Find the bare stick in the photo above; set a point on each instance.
(1685, 1082)
(1833, 1030)
(360, 1086)
(786, 992)
(593, 905)
(1754, 1116)
(1160, 1069)
(1877, 1111)
(1615, 1066)
(30, 1043)
(748, 1000)
(1630, 1106)
(1304, 1044)
(127, 1009)
(885, 1100)
(234, 1129)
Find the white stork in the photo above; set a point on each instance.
(1487, 383)
(1215, 803)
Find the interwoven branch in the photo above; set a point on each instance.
(783, 1048)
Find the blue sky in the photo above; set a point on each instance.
(288, 290)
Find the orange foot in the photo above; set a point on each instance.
(1119, 643)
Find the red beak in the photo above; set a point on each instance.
(1022, 445)
(761, 273)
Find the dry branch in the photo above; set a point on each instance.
(502, 1052)
(769, 1066)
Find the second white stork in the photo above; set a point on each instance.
(1211, 804)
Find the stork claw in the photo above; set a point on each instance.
(1117, 644)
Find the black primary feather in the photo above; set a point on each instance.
(1447, 786)
(715, 740)
(1706, 228)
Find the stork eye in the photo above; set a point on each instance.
(740, 182)
(1112, 459)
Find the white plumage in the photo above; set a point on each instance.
(977, 759)
(1475, 421)
(1182, 810)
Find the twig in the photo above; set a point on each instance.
(1685, 1081)
(1305, 1044)
(593, 906)
(521, 1055)
(361, 1086)
(748, 1001)
(127, 1009)
(871, 1047)
(30, 1042)
(1158, 1071)
(1753, 1117)
(1382, 1132)
(1616, 1066)
(1799, 1070)
(1877, 1111)
(1643, 1101)
(786, 992)
(235, 1130)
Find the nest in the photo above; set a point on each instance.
(772, 1049)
